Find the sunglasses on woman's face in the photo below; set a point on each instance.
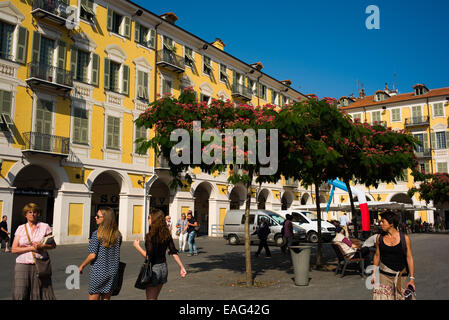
(98, 217)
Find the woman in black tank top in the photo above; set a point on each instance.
(393, 257)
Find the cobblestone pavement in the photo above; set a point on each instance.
(215, 273)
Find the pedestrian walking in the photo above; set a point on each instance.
(104, 256)
(263, 230)
(394, 259)
(27, 244)
(169, 223)
(192, 226)
(344, 222)
(182, 232)
(287, 233)
(4, 234)
(157, 241)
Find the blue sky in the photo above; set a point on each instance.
(323, 46)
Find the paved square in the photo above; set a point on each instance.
(212, 273)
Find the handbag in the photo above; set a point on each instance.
(121, 272)
(43, 266)
(144, 278)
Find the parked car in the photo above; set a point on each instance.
(308, 221)
(234, 224)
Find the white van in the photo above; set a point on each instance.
(308, 221)
(234, 222)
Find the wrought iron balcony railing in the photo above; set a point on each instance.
(417, 121)
(170, 60)
(53, 75)
(241, 91)
(423, 153)
(47, 143)
(57, 8)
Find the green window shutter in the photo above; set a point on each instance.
(60, 72)
(109, 132)
(145, 85)
(109, 21)
(116, 133)
(136, 32)
(107, 71)
(127, 28)
(36, 47)
(425, 141)
(140, 84)
(76, 130)
(95, 69)
(447, 139)
(90, 4)
(5, 102)
(73, 60)
(22, 44)
(125, 88)
(434, 142)
(152, 40)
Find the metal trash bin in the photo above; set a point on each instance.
(301, 263)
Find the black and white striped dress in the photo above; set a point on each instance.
(103, 276)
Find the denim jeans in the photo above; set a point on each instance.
(192, 244)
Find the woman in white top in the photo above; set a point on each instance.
(27, 245)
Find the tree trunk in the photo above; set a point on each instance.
(249, 272)
(354, 214)
(318, 213)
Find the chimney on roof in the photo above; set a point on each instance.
(362, 93)
(170, 17)
(218, 43)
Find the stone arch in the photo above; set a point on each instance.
(267, 197)
(305, 198)
(57, 172)
(222, 94)
(207, 89)
(120, 177)
(213, 190)
(237, 196)
(287, 199)
(401, 198)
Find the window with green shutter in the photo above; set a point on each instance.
(442, 167)
(166, 87)
(376, 117)
(142, 85)
(114, 83)
(80, 126)
(188, 57)
(5, 102)
(95, 69)
(207, 65)
(22, 45)
(87, 10)
(440, 138)
(125, 78)
(113, 133)
(416, 114)
(82, 66)
(438, 110)
(223, 73)
(141, 132)
(6, 41)
(396, 114)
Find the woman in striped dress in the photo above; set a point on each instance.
(104, 256)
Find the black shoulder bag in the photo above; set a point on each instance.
(144, 278)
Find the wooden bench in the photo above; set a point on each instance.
(345, 260)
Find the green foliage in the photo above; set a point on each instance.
(434, 187)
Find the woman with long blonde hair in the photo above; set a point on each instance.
(104, 256)
(157, 241)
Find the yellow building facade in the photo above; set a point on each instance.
(74, 75)
(422, 112)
